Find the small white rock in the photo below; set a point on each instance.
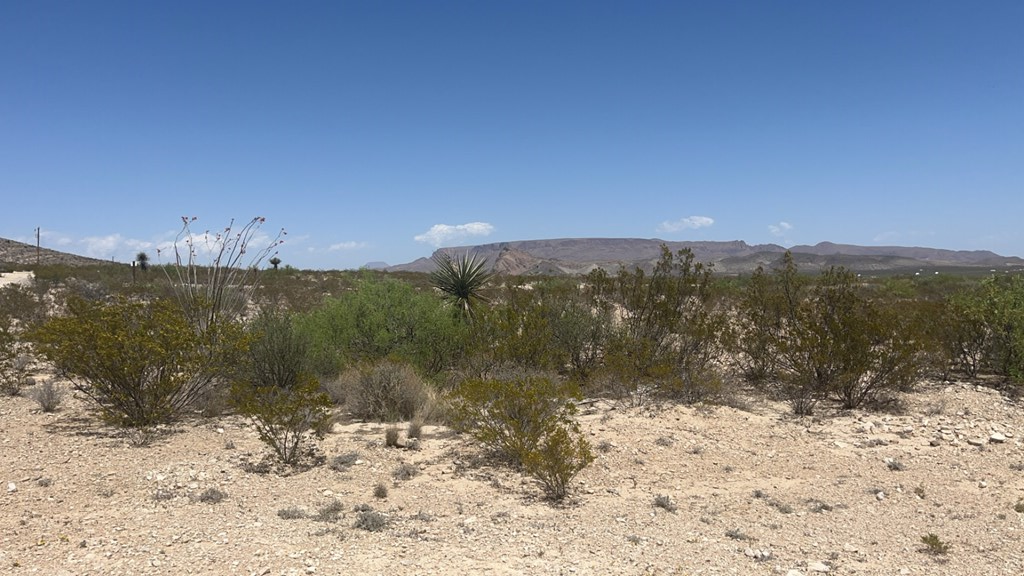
(880, 495)
(818, 567)
(997, 438)
(12, 487)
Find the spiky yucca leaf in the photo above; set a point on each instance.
(461, 279)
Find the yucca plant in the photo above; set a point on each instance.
(462, 280)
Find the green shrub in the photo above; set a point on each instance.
(562, 454)
(825, 339)
(282, 400)
(669, 338)
(382, 318)
(283, 416)
(934, 545)
(384, 392)
(530, 421)
(141, 363)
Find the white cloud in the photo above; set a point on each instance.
(688, 223)
(780, 229)
(111, 245)
(441, 234)
(350, 245)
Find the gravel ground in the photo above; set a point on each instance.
(739, 491)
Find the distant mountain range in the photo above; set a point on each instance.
(571, 256)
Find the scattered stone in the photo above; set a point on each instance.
(794, 573)
(997, 438)
(849, 548)
(12, 487)
(880, 495)
(976, 441)
(818, 567)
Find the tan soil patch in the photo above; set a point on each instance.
(744, 481)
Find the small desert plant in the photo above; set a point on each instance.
(212, 496)
(415, 429)
(562, 454)
(48, 396)
(664, 501)
(343, 462)
(44, 482)
(329, 512)
(895, 465)
(371, 521)
(283, 416)
(934, 545)
(385, 392)
(1019, 507)
(164, 494)
(919, 492)
(292, 513)
(737, 534)
(405, 471)
(380, 491)
(391, 436)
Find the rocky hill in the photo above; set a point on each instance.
(15, 254)
(569, 256)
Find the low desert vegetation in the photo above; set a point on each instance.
(505, 360)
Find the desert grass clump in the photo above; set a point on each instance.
(291, 513)
(934, 545)
(329, 512)
(385, 392)
(664, 501)
(48, 396)
(895, 465)
(164, 494)
(415, 429)
(405, 471)
(391, 436)
(371, 521)
(343, 462)
(380, 491)
(737, 534)
(212, 496)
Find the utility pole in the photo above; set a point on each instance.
(37, 245)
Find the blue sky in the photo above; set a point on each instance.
(376, 131)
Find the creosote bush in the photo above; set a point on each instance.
(141, 362)
(669, 338)
(282, 399)
(530, 421)
(825, 339)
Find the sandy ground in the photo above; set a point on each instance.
(756, 491)
(23, 278)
